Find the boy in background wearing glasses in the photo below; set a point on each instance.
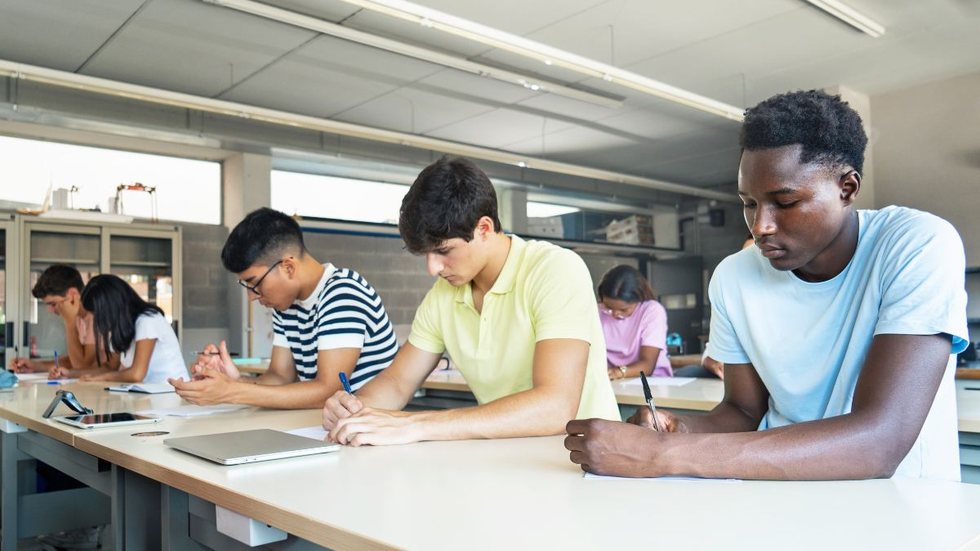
(60, 289)
(326, 320)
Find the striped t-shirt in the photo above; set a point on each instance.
(344, 311)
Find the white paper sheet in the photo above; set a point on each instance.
(661, 478)
(192, 410)
(316, 433)
(661, 381)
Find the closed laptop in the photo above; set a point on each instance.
(234, 448)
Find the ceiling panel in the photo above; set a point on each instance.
(327, 77)
(516, 17)
(453, 82)
(627, 31)
(60, 34)
(334, 12)
(193, 47)
(493, 129)
(412, 110)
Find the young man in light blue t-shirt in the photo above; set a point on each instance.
(836, 330)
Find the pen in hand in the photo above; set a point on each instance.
(346, 383)
(649, 398)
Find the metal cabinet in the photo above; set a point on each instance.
(145, 255)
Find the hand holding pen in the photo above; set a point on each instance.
(648, 395)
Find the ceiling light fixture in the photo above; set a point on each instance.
(64, 79)
(850, 16)
(353, 35)
(547, 54)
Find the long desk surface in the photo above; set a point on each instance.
(524, 493)
(515, 493)
(704, 394)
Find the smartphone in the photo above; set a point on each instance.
(99, 420)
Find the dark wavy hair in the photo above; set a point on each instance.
(627, 284)
(447, 200)
(830, 131)
(56, 280)
(263, 236)
(116, 307)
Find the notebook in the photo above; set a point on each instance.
(234, 448)
(143, 388)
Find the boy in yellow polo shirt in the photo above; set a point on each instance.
(517, 317)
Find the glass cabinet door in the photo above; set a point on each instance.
(147, 264)
(44, 330)
(7, 349)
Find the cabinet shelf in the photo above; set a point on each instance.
(140, 264)
(83, 261)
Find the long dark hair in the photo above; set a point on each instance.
(625, 283)
(116, 306)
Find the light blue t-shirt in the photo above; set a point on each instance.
(808, 341)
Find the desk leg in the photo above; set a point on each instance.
(9, 491)
(175, 532)
(117, 510)
(135, 511)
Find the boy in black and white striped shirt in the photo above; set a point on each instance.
(326, 320)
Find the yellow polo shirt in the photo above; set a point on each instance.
(543, 292)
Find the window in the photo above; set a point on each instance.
(340, 198)
(186, 190)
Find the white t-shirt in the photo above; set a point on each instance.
(166, 360)
(808, 341)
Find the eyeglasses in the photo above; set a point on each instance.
(254, 288)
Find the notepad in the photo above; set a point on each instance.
(590, 476)
(661, 381)
(192, 410)
(143, 388)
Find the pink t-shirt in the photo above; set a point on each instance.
(647, 326)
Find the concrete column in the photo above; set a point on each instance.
(512, 207)
(247, 186)
(862, 104)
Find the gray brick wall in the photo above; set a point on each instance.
(205, 279)
(399, 277)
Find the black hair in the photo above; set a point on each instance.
(829, 130)
(447, 200)
(56, 280)
(263, 236)
(625, 283)
(115, 307)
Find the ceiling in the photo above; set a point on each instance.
(734, 52)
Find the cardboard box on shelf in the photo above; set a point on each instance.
(633, 230)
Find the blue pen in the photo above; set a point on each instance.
(345, 382)
(56, 358)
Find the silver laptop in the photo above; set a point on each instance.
(235, 448)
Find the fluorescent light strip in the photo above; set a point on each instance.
(114, 88)
(346, 33)
(547, 54)
(850, 16)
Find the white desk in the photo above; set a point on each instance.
(698, 395)
(968, 410)
(525, 494)
(517, 493)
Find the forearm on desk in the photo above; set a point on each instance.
(839, 448)
(295, 395)
(534, 412)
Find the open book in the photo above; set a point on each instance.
(143, 388)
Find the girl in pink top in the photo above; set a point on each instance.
(634, 324)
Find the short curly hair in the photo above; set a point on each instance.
(829, 130)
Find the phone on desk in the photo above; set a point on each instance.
(99, 420)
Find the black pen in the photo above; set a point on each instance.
(970, 388)
(649, 397)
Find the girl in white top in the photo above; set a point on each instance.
(125, 322)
